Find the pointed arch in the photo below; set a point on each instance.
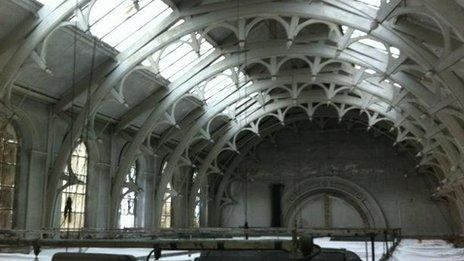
(9, 151)
(127, 207)
(73, 192)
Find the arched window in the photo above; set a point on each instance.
(9, 147)
(167, 204)
(196, 213)
(166, 210)
(73, 194)
(127, 209)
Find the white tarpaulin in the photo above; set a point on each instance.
(408, 250)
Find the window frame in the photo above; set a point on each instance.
(10, 130)
(77, 225)
(136, 168)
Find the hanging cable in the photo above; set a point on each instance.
(246, 226)
(67, 190)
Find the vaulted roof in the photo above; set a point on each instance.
(190, 76)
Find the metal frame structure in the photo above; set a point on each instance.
(197, 239)
(426, 108)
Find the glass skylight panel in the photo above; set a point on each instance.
(395, 52)
(153, 23)
(115, 21)
(114, 18)
(374, 44)
(179, 22)
(220, 59)
(169, 62)
(242, 101)
(247, 109)
(225, 85)
(134, 23)
(101, 8)
(218, 84)
(241, 104)
(205, 49)
(356, 33)
(180, 57)
(373, 3)
(46, 2)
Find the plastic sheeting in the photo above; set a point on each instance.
(47, 254)
(359, 247)
(430, 250)
(408, 250)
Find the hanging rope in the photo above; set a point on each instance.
(74, 215)
(246, 226)
(68, 205)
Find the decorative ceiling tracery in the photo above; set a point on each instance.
(373, 56)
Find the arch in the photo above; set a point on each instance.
(293, 198)
(30, 148)
(127, 207)
(249, 27)
(9, 157)
(330, 26)
(297, 218)
(217, 149)
(132, 193)
(166, 209)
(429, 16)
(73, 192)
(197, 211)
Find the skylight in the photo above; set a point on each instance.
(217, 84)
(181, 56)
(373, 3)
(215, 89)
(45, 2)
(121, 22)
(395, 52)
(374, 44)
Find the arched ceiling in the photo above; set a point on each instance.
(189, 76)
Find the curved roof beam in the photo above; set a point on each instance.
(379, 93)
(221, 197)
(201, 119)
(96, 101)
(409, 81)
(320, 11)
(315, 10)
(373, 119)
(48, 19)
(205, 135)
(233, 130)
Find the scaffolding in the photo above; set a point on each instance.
(199, 239)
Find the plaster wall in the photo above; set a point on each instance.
(403, 194)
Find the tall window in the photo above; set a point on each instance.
(127, 208)
(9, 146)
(196, 213)
(166, 210)
(167, 203)
(73, 194)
